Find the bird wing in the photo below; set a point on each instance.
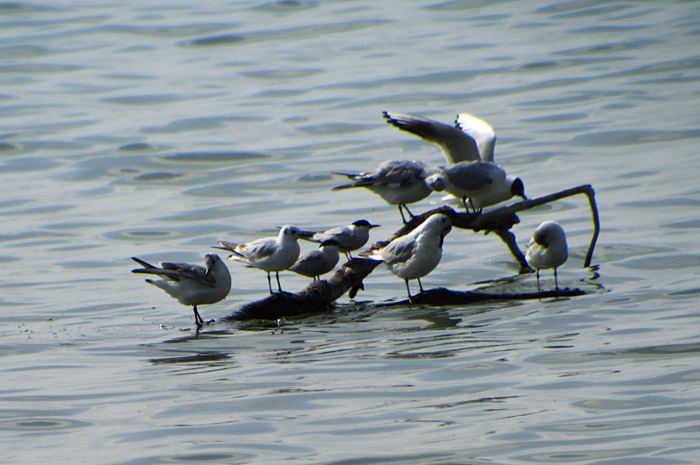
(196, 272)
(456, 144)
(481, 132)
(470, 176)
(230, 246)
(399, 250)
(396, 173)
(176, 271)
(257, 250)
(339, 233)
(311, 259)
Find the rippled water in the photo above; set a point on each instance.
(154, 129)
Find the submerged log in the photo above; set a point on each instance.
(319, 296)
(441, 296)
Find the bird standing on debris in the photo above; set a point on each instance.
(269, 253)
(547, 249)
(417, 253)
(398, 182)
(471, 139)
(349, 238)
(191, 284)
(317, 262)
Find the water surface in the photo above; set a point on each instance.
(154, 130)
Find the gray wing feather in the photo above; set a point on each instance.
(185, 270)
(398, 250)
(456, 145)
(469, 176)
(309, 261)
(259, 250)
(176, 271)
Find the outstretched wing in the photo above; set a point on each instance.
(481, 132)
(456, 144)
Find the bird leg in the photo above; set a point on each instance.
(410, 299)
(277, 275)
(556, 285)
(420, 285)
(538, 280)
(471, 204)
(464, 202)
(197, 318)
(401, 213)
(269, 284)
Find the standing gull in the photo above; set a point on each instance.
(483, 184)
(417, 253)
(547, 249)
(349, 238)
(471, 139)
(191, 284)
(398, 182)
(317, 262)
(269, 253)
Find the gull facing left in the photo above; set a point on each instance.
(417, 253)
(191, 284)
(547, 249)
(269, 253)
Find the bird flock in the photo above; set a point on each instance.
(471, 176)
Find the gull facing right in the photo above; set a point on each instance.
(483, 184)
(398, 182)
(269, 253)
(191, 284)
(349, 238)
(317, 262)
(417, 253)
(547, 249)
(471, 139)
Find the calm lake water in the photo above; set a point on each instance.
(153, 129)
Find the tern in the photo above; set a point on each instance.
(269, 253)
(349, 238)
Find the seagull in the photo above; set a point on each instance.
(191, 284)
(470, 139)
(547, 249)
(349, 238)
(317, 262)
(417, 253)
(483, 184)
(269, 253)
(398, 182)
